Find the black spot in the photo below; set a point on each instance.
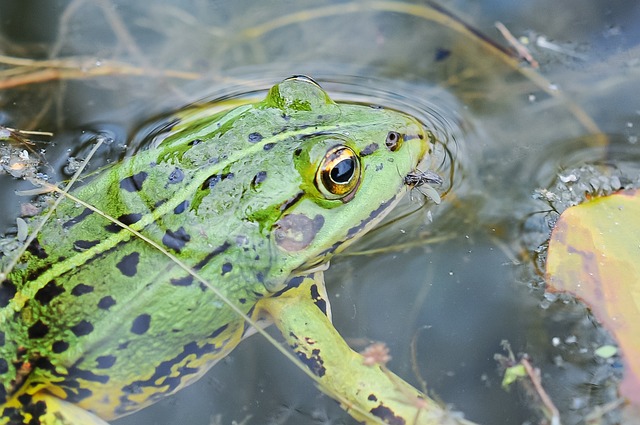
(211, 181)
(167, 376)
(297, 152)
(133, 183)
(268, 146)
(195, 142)
(76, 373)
(314, 362)
(81, 289)
(369, 149)
(37, 250)
(128, 265)
(34, 274)
(43, 363)
(81, 245)
(105, 362)
(292, 283)
(59, 347)
(7, 292)
(127, 219)
(218, 331)
(182, 281)
(25, 399)
(74, 393)
(130, 219)
(82, 328)
(387, 415)
(217, 251)
(442, 54)
(141, 324)
(11, 413)
(320, 302)
(259, 178)
(181, 207)
(255, 137)
(77, 219)
(4, 366)
(176, 176)
(291, 201)
(176, 240)
(38, 330)
(36, 410)
(2, 339)
(226, 268)
(356, 229)
(48, 292)
(214, 179)
(372, 397)
(242, 300)
(260, 277)
(106, 303)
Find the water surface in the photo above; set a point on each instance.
(456, 279)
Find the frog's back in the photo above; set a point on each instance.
(91, 304)
(95, 302)
(103, 319)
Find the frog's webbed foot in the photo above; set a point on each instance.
(45, 409)
(368, 391)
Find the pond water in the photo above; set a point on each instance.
(452, 280)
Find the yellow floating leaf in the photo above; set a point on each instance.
(594, 254)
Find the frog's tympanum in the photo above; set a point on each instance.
(97, 323)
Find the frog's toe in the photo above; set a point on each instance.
(45, 409)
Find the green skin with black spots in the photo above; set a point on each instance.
(97, 317)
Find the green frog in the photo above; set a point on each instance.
(111, 307)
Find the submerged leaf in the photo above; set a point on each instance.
(606, 351)
(512, 374)
(594, 254)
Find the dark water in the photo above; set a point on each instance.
(458, 278)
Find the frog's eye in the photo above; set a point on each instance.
(394, 141)
(338, 175)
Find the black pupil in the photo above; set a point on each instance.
(343, 171)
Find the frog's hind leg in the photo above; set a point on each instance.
(364, 387)
(45, 409)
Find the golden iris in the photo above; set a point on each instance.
(338, 175)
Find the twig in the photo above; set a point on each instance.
(522, 51)
(534, 375)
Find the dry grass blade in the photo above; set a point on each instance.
(33, 71)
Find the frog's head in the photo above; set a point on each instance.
(340, 170)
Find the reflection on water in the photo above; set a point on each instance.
(453, 280)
